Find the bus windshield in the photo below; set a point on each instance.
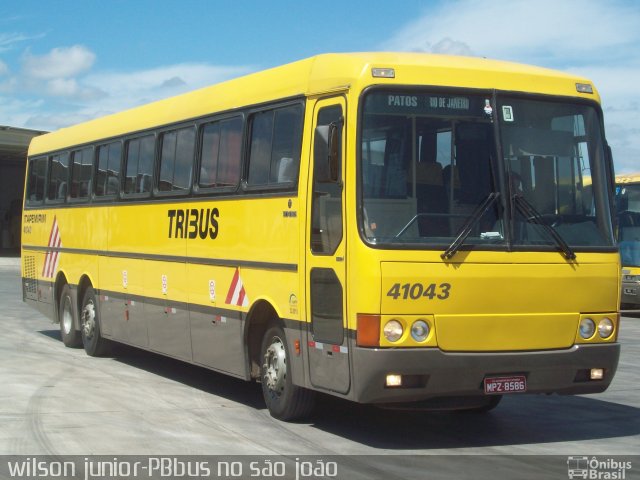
(628, 207)
(430, 166)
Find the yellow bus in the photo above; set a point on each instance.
(388, 228)
(628, 207)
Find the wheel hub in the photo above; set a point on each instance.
(67, 318)
(275, 366)
(89, 320)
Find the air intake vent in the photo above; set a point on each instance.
(29, 280)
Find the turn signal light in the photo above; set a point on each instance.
(584, 88)
(383, 73)
(368, 332)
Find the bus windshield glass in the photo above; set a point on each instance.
(554, 157)
(426, 163)
(628, 207)
(429, 166)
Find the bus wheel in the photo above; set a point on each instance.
(284, 400)
(94, 343)
(67, 318)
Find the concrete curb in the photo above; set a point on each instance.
(9, 261)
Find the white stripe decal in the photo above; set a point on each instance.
(237, 294)
(56, 255)
(52, 259)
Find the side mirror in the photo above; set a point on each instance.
(327, 153)
(610, 169)
(612, 190)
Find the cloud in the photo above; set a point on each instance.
(185, 76)
(69, 87)
(596, 39)
(56, 74)
(128, 89)
(100, 93)
(40, 120)
(62, 87)
(547, 31)
(621, 104)
(173, 82)
(70, 90)
(16, 112)
(451, 47)
(62, 62)
(9, 40)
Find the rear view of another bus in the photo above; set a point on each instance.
(628, 206)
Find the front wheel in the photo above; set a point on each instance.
(284, 400)
(94, 343)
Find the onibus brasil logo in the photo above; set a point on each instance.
(594, 468)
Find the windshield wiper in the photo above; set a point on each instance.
(466, 229)
(533, 216)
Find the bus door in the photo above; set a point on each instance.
(328, 352)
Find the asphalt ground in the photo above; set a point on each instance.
(58, 401)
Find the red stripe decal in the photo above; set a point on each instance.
(241, 297)
(232, 288)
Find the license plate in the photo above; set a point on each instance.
(630, 291)
(502, 385)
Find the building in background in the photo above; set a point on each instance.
(14, 143)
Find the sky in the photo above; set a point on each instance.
(67, 61)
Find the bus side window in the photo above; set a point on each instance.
(287, 136)
(81, 166)
(139, 165)
(59, 177)
(221, 146)
(276, 137)
(176, 160)
(108, 171)
(36, 182)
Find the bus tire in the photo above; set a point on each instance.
(284, 400)
(67, 313)
(94, 343)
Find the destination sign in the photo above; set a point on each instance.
(426, 104)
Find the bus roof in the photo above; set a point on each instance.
(317, 75)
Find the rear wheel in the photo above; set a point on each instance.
(67, 318)
(94, 343)
(284, 400)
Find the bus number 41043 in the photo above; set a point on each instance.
(416, 291)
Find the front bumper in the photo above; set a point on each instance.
(630, 293)
(433, 373)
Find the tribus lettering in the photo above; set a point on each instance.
(193, 223)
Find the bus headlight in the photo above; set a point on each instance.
(605, 328)
(393, 330)
(420, 330)
(587, 328)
